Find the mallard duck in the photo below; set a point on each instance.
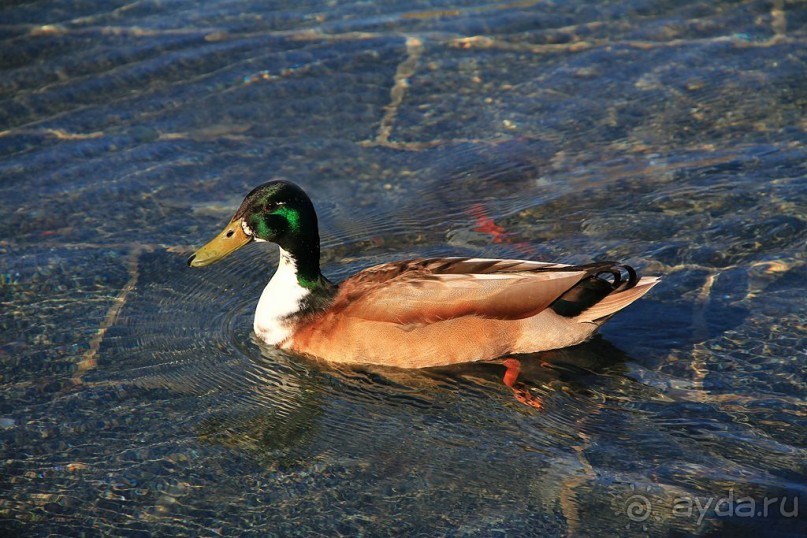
(414, 313)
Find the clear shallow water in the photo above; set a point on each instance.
(667, 134)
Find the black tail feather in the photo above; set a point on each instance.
(593, 288)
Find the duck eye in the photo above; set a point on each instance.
(271, 207)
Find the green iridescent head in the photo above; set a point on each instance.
(279, 212)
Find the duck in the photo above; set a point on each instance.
(415, 313)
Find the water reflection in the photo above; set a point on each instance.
(282, 404)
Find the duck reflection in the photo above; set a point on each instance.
(532, 377)
(290, 418)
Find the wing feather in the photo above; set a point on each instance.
(425, 291)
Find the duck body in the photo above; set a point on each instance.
(415, 313)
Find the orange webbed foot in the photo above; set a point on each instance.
(487, 225)
(520, 391)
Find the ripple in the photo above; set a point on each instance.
(665, 134)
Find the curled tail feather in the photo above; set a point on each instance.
(602, 279)
(616, 301)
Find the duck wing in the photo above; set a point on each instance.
(430, 290)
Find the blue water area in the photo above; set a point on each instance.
(136, 400)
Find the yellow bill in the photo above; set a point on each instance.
(228, 241)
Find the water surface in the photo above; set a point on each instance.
(670, 135)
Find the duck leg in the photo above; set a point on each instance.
(520, 391)
(486, 225)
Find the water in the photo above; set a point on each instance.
(669, 135)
